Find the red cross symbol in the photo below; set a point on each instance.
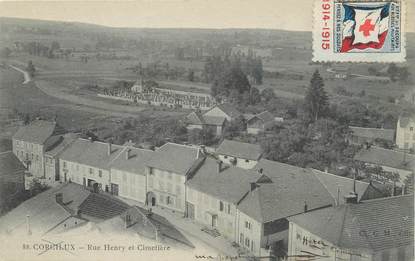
(367, 27)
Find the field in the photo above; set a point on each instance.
(65, 87)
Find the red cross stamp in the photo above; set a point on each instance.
(359, 31)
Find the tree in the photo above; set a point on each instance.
(316, 99)
(201, 136)
(268, 94)
(31, 68)
(191, 76)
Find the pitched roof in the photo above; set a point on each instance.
(212, 120)
(137, 161)
(265, 116)
(290, 189)
(174, 157)
(61, 143)
(385, 157)
(230, 184)
(405, 119)
(229, 109)
(9, 163)
(344, 225)
(194, 118)
(339, 187)
(91, 153)
(239, 149)
(36, 132)
(43, 211)
(373, 133)
(101, 206)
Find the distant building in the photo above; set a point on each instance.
(360, 135)
(12, 177)
(171, 165)
(405, 132)
(391, 161)
(239, 154)
(260, 122)
(224, 110)
(215, 124)
(379, 229)
(30, 143)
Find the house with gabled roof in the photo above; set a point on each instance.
(378, 229)
(216, 124)
(284, 191)
(30, 142)
(128, 173)
(391, 161)
(224, 110)
(240, 154)
(170, 166)
(88, 162)
(214, 192)
(59, 209)
(260, 122)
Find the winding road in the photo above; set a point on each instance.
(26, 75)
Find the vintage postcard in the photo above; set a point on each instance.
(207, 130)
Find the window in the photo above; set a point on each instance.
(247, 242)
(91, 171)
(252, 245)
(225, 157)
(247, 224)
(64, 164)
(220, 205)
(169, 200)
(247, 161)
(241, 239)
(128, 218)
(411, 128)
(150, 171)
(229, 208)
(100, 173)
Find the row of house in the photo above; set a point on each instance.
(234, 192)
(219, 116)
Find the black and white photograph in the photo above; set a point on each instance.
(265, 130)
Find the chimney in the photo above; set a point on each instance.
(109, 148)
(351, 198)
(90, 139)
(220, 166)
(59, 198)
(305, 206)
(326, 169)
(127, 154)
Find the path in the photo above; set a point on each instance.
(26, 75)
(83, 103)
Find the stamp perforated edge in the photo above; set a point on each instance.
(321, 57)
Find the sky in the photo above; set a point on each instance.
(273, 14)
